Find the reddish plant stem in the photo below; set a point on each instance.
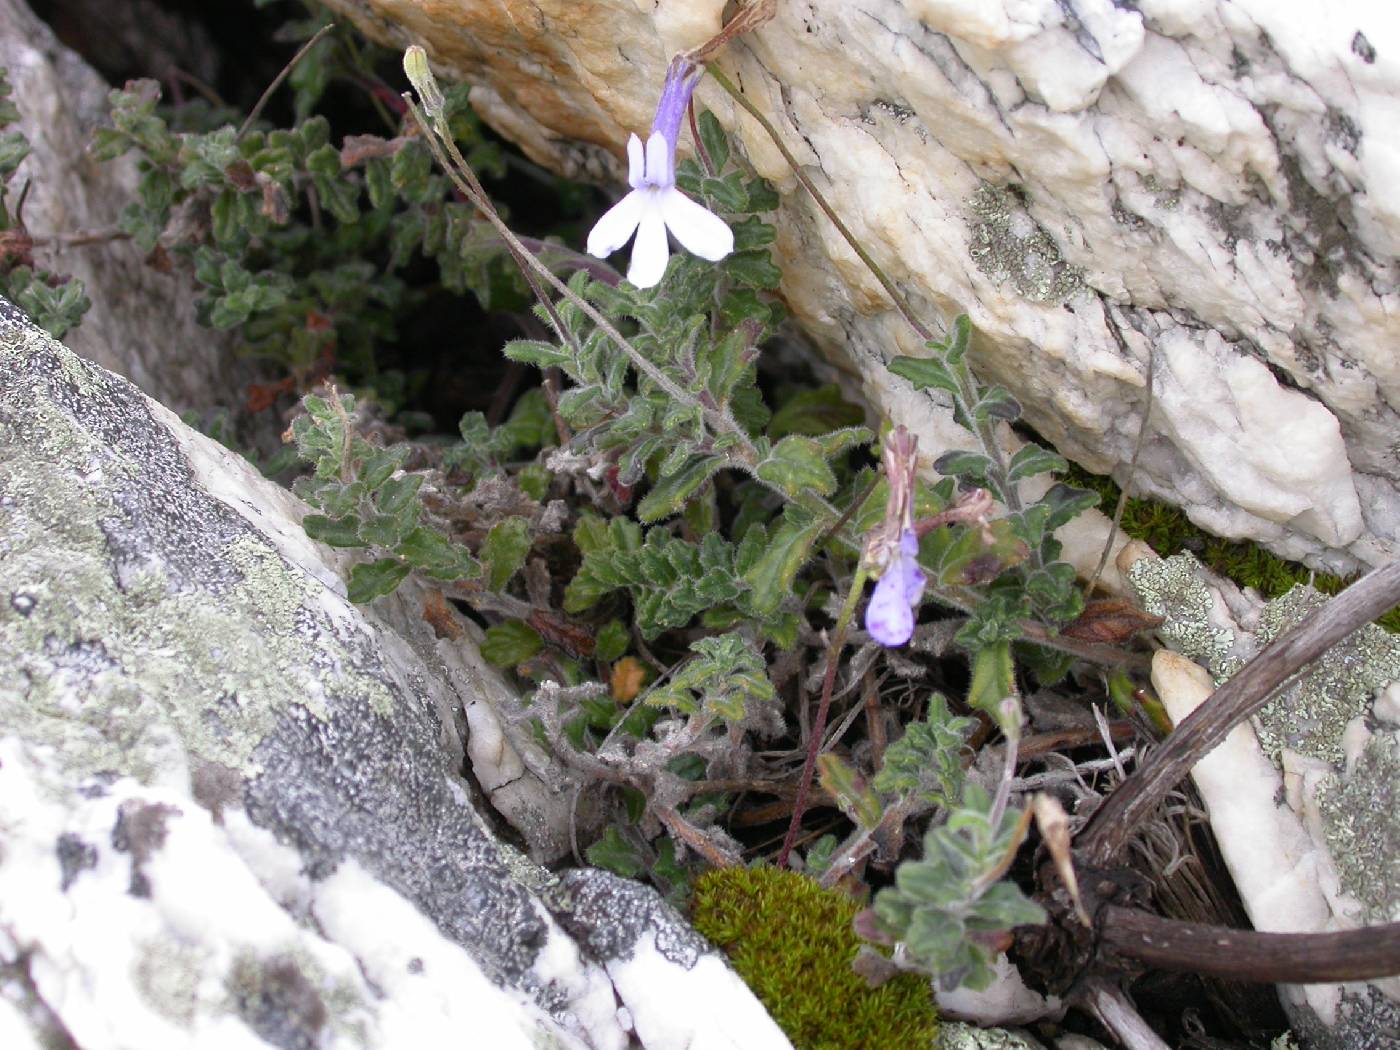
(699, 145)
(814, 743)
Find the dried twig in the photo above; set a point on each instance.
(1114, 1011)
(261, 103)
(1248, 955)
(1114, 823)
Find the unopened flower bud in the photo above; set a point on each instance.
(420, 75)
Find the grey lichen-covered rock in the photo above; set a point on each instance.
(229, 806)
(666, 974)
(1205, 184)
(1304, 801)
(955, 1036)
(142, 323)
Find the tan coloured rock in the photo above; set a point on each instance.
(1202, 183)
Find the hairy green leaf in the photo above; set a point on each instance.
(771, 576)
(669, 494)
(510, 644)
(371, 580)
(335, 532)
(504, 551)
(797, 465)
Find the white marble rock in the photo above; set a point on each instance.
(230, 814)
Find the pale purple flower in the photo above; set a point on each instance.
(890, 615)
(892, 551)
(655, 205)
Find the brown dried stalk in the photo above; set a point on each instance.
(1114, 823)
(1247, 955)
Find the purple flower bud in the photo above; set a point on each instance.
(890, 615)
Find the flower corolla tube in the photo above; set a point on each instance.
(890, 616)
(655, 205)
(892, 550)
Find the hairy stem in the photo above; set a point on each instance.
(814, 743)
(266, 96)
(465, 180)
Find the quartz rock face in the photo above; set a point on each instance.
(1200, 184)
(230, 813)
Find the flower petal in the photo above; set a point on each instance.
(699, 230)
(660, 161)
(615, 228)
(650, 253)
(636, 163)
(888, 617)
(906, 562)
(913, 579)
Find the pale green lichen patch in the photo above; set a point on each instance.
(954, 1036)
(1360, 808)
(1010, 247)
(1310, 716)
(147, 622)
(167, 974)
(1361, 818)
(1172, 588)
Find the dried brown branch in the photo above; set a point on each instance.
(1248, 955)
(1115, 822)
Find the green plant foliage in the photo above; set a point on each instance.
(793, 943)
(700, 332)
(926, 760)
(305, 241)
(504, 551)
(612, 640)
(853, 795)
(671, 580)
(725, 675)
(510, 643)
(616, 854)
(55, 302)
(707, 533)
(367, 501)
(953, 891)
(1047, 584)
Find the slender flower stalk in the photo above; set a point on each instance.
(655, 206)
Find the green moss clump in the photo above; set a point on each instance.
(793, 943)
(1167, 531)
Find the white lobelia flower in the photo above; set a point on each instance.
(655, 205)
